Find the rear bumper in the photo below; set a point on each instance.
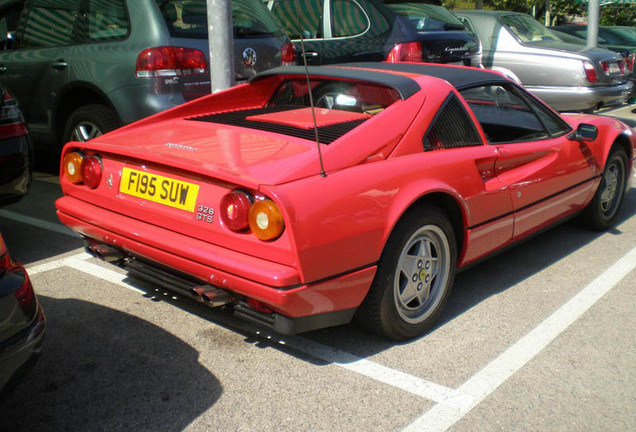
(583, 98)
(301, 306)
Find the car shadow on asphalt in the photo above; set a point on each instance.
(105, 370)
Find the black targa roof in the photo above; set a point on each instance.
(458, 77)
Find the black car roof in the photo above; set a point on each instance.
(380, 73)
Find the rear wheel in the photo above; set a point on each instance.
(90, 121)
(414, 278)
(602, 211)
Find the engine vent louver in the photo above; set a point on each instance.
(327, 134)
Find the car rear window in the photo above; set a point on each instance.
(189, 19)
(528, 30)
(426, 17)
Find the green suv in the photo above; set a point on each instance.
(80, 68)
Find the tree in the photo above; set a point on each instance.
(619, 14)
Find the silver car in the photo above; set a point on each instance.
(569, 77)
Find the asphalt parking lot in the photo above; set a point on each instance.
(540, 338)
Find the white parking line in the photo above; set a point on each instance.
(395, 378)
(51, 226)
(441, 417)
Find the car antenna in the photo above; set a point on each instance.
(311, 96)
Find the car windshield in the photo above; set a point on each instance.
(188, 18)
(426, 17)
(527, 29)
(628, 32)
(618, 36)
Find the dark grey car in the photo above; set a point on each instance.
(83, 67)
(569, 77)
(341, 31)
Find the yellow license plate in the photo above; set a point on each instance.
(159, 189)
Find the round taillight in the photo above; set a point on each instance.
(235, 210)
(91, 171)
(266, 220)
(72, 167)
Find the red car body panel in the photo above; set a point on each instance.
(336, 226)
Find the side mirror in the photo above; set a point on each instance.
(584, 133)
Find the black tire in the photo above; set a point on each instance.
(601, 213)
(414, 277)
(88, 122)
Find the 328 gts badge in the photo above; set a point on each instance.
(204, 214)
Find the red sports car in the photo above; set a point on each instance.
(364, 206)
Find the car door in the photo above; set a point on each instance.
(547, 174)
(37, 68)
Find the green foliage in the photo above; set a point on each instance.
(561, 11)
(623, 15)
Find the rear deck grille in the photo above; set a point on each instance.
(326, 134)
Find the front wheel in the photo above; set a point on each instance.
(602, 211)
(414, 278)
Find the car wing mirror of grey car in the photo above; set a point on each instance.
(584, 133)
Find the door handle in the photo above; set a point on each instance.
(310, 54)
(60, 65)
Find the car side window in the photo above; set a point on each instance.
(105, 19)
(347, 19)
(451, 128)
(9, 17)
(504, 115)
(299, 17)
(50, 23)
(555, 125)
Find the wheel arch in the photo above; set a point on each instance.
(448, 203)
(623, 141)
(72, 97)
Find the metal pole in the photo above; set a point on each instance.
(593, 18)
(221, 43)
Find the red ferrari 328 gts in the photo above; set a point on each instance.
(364, 207)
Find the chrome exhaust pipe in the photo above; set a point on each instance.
(212, 296)
(104, 252)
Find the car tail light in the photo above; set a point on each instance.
(5, 261)
(266, 220)
(72, 167)
(11, 121)
(623, 67)
(25, 294)
(288, 55)
(408, 52)
(79, 168)
(166, 61)
(91, 171)
(241, 212)
(590, 72)
(235, 210)
(629, 61)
